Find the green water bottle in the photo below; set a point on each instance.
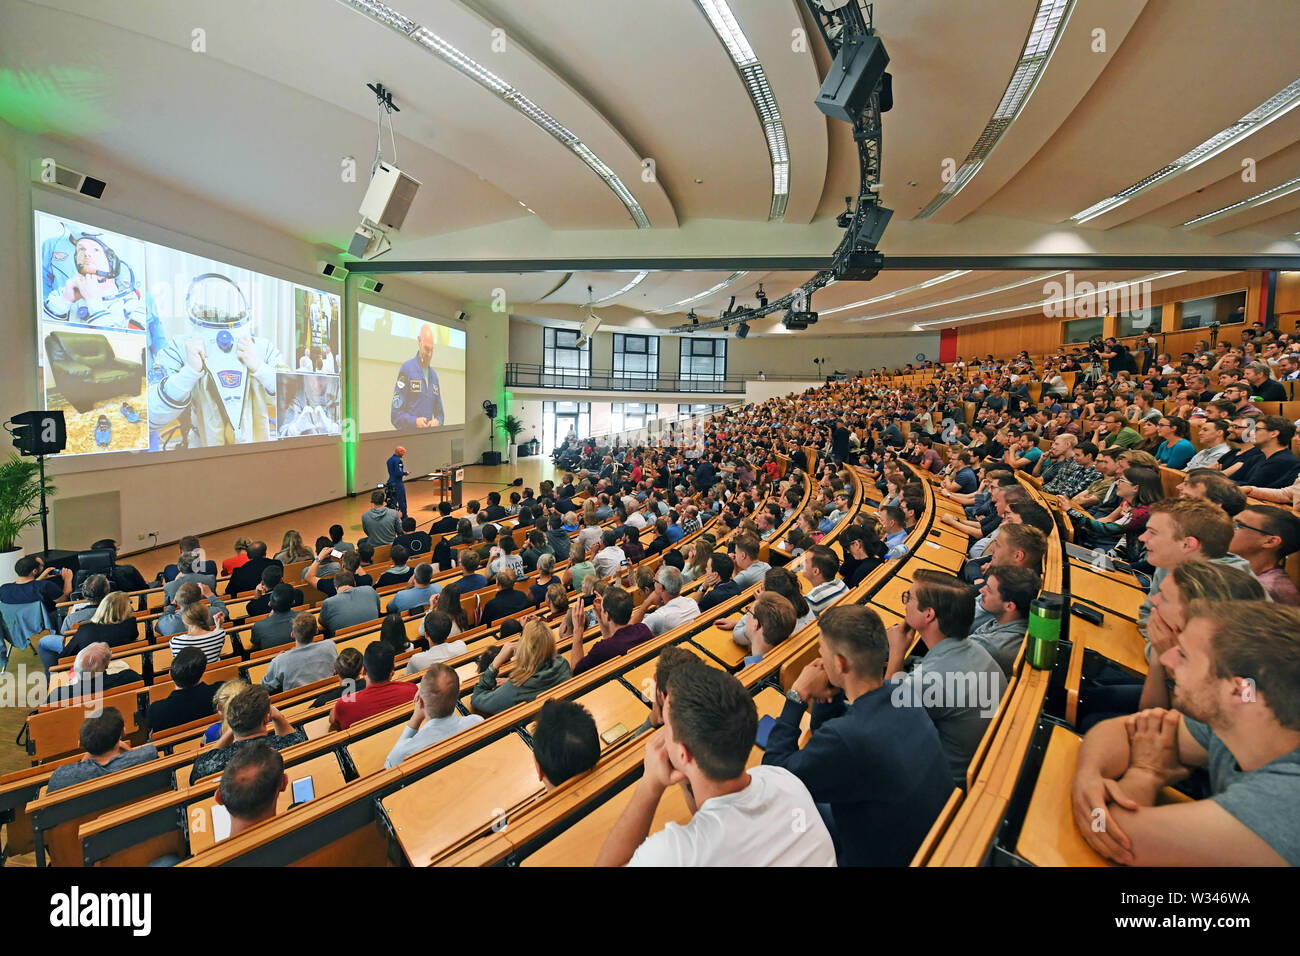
(1044, 630)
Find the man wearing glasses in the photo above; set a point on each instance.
(1276, 466)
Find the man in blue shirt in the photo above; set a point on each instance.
(876, 770)
(418, 590)
(396, 478)
(417, 398)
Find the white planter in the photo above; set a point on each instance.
(7, 561)
(513, 452)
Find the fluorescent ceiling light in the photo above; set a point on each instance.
(640, 277)
(1268, 195)
(1032, 306)
(1049, 22)
(432, 43)
(703, 295)
(1276, 106)
(751, 72)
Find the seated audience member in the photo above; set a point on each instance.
(336, 539)
(435, 628)
(445, 524)
(246, 716)
(1276, 466)
(1212, 486)
(880, 768)
(892, 521)
(863, 552)
(308, 661)
(507, 601)
(227, 692)
(749, 569)
(113, 624)
(565, 742)
(350, 605)
(292, 550)
(716, 586)
(103, 737)
(251, 785)
(412, 539)
(545, 578)
(248, 575)
(272, 575)
(470, 579)
(1196, 580)
(957, 681)
(400, 572)
(171, 621)
(187, 572)
(1214, 444)
(238, 561)
(418, 592)
(348, 668)
(381, 691)
(738, 817)
(89, 675)
(1265, 536)
(434, 717)
(1182, 529)
(618, 635)
(201, 631)
(1236, 670)
(277, 627)
(821, 565)
(768, 622)
(191, 700)
(780, 581)
(611, 557)
(537, 668)
(1005, 597)
(381, 524)
(187, 544)
(557, 539)
(93, 590)
(666, 608)
(35, 582)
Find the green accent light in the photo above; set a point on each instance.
(71, 101)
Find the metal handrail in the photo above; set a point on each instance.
(524, 375)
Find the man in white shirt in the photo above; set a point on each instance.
(1214, 444)
(758, 817)
(436, 626)
(434, 718)
(611, 557)
(670, 608)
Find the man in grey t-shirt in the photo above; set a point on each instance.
(106, 751)
(381, 525)
(350, 605)
(1236, 672)
(306, 662)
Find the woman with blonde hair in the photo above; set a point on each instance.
(113, 623)
(224, 695)
(292, 549)
(240, 559)
(537, 668)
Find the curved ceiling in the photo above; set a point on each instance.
(261, 121)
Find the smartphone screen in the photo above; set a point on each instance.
(765, 725)
(336, 554)
(303, 790)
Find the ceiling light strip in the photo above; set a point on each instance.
(751, 72)
(958, 298)
(928, 283)
(428, 40)
(703, 295)
(1060, 300)
(1268, 195)
(640, 277)
(1049, 22)
(1276, 106)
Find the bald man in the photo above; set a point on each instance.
(396, 475)
(417, 399)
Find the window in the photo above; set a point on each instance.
(695, 411)
(1140, 321)
(559, 418)
(703, 361)
(636, 357)
(1081, 330)
(564, 363)
(1227, 308)
(629, 416)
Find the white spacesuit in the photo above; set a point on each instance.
(85, 282)
(225, 376)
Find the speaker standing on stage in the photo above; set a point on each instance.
(396, 474)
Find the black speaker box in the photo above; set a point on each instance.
(39, 433)
(857, 70)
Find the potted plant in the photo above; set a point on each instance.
(512, 426)
(20, 503)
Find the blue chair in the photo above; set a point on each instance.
(22, 623)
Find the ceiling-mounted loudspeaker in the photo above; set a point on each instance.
(742, 330)
(389, 196)
(330, 271)
(373, 286)
(462, 316)
(853, 77)
(51, 173)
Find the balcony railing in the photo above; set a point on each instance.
(607, 380)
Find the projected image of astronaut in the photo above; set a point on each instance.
(218, 370)
(308, 405)
(84, 281)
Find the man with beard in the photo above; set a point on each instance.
(1236, 698)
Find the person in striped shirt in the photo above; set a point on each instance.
(201, 631)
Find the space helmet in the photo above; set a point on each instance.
(217, 308)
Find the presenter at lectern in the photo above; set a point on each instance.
(417, 399)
